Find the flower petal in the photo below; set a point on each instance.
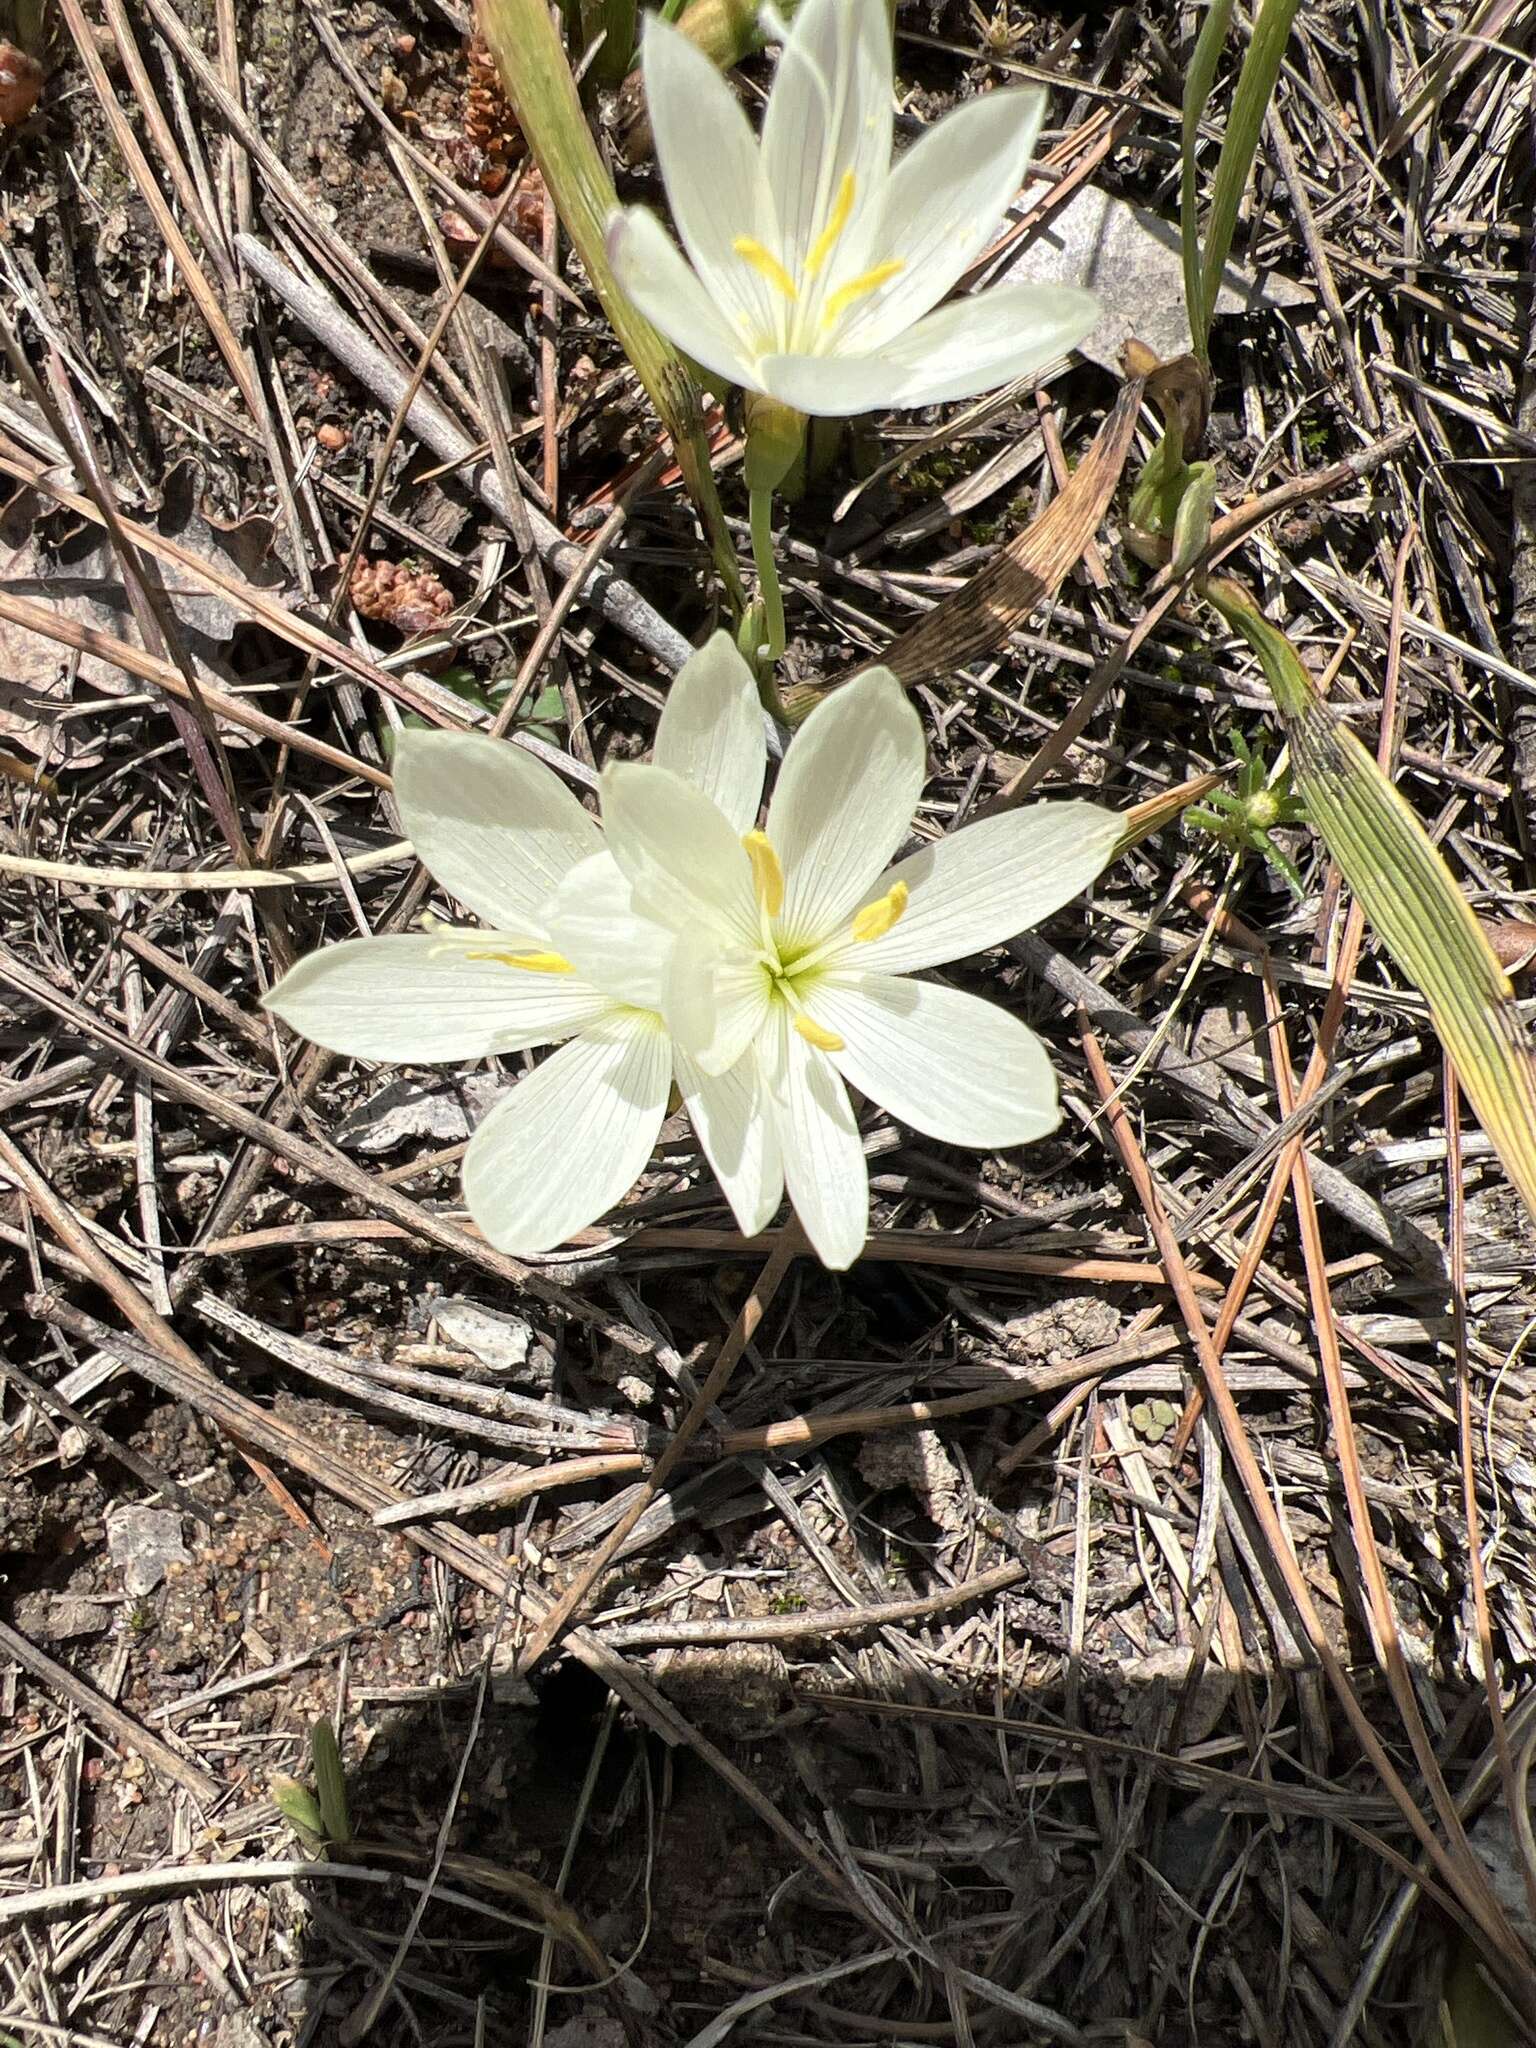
(716, 1002)
(572, 1139)
(941, 206)
(971, 345)
(496, 828)
(594, 923)
(687, 866)
(711, 731)
(844, 802)
(731, 1120)
(829, 113)
(987, 882)
(948, 1064)
(819, 1138)
(699, 319)
(439, 996)
(708, 158)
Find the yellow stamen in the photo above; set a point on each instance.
(826, 241)
(876, 919)
(817, 1034)
(860, 288)
(767, 875)
(531, 963)
(766, 265)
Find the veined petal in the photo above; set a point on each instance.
(948, 1064)
(819, 1137)
(941, 206)
(730, 1117)
(843, 803)
(710, 323)
(971, 345)
(829, 113)
(439, 996)
(987, 882)
(716, 1002)
(572, 1139)
(688, 868)
(711, 731)
(496, 828)
(708, 158)
(593, 921)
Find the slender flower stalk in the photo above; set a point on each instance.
(813, 265)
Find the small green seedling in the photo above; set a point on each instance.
(1243, 818)
(320, 1819)
(1153, 1420)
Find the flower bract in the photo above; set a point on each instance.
(814, 265)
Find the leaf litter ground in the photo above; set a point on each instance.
(947, 1688)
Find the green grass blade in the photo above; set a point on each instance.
(1197, 94)
(1409, 895)
(1239, 146)
(330, 1782)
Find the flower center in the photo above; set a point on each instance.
(795, 289)
(789, 978)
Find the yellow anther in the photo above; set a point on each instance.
(876, 919)
(860, 287)
(826, 241)
(531, 963)
(767, 875)
(766, 264)
(817, 1034)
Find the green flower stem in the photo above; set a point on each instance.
(760, 511)
(775, 443)
(528, 52)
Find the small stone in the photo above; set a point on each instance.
(497, 1339)
(72, 1615)
(144, 1543)
(1062, 1330)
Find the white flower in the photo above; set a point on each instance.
(791, 972)
(561, 956)
(816, 264)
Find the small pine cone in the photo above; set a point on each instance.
(21, 81)
(410, 600)
(489, 122)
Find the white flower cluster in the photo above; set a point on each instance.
(761, 965)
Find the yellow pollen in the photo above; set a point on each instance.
(766, 265)
(767, 875)
(876, 919)
(826, 241)
(860, 288)
(817, 1034)
(531, 963)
